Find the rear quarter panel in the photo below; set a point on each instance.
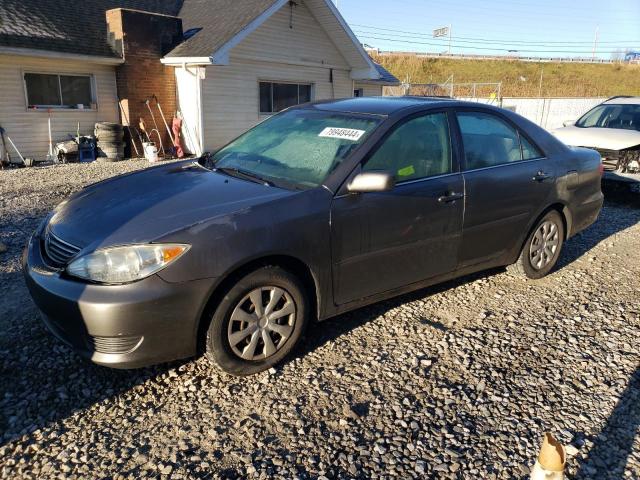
(579, 187)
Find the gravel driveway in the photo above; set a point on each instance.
(456, 381)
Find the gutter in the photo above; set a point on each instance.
(32, 52)
(180, 61)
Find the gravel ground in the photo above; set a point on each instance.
(455, 381)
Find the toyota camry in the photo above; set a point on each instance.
(321, 209)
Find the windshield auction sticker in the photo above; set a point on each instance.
(342, 133)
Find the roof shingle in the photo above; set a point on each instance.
(220, 21)
(68, 26)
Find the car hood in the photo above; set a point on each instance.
(146, 205)
(606, 138)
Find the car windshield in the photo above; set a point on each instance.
(297, 148)
(626, 117)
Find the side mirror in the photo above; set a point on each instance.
(372, 182)
(569, 123)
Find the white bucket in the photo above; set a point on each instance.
(150, 151)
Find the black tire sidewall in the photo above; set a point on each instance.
(217, 344)
(529, 270)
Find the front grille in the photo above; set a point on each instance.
(115, 345)
(610, 159)
(58, 252)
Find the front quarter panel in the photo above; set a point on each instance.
(296, 226)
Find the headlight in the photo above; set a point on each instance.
(125, 264)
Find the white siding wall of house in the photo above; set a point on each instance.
(188, 97)
(369, 90)
(274, 52)
(28, 128)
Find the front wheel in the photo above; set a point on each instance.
(258, 322)
(542, 248)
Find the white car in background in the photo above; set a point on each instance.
(613, 129)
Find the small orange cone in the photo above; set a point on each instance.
(551, 461)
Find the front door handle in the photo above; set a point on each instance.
(450, 197)
(541, 176)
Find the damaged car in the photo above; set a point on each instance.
(613, 129)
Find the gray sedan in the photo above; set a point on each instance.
(319, 210)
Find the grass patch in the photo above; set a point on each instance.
(521, 79)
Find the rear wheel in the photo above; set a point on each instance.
(258, 322)
(542, 249)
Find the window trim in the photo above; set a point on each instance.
(284, 82)
(92, 107)
(505, 119)
(454, 148)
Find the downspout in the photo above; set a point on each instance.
(200, 111)
(333, 85)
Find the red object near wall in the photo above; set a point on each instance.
(176, 126)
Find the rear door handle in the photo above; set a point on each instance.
(541, 176)
(450, 197)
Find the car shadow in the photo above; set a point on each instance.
(626, 207)
(321, 333)
(612, 447)
(43, 380)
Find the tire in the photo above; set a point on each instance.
(109, 137)
(534, 266)
(228, 338)
(108, 126)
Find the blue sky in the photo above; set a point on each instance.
(540, 28)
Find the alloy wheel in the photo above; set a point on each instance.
(544, 245)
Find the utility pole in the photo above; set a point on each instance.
(595, 43)
(540, 85)
(449, 39)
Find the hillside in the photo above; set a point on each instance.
(521, 79)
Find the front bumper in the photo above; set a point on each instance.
(121, 326)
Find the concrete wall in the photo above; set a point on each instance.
(28, 128)
(549, 113)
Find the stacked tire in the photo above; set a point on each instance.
(110, 141)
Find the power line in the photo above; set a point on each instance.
(505, 43)
(414, 34)
(413, 42)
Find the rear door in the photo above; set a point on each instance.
(382, 241)
(507, 181)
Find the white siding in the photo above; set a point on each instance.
(273, 52)
(28, 129)
(188, 93)
(369, 90)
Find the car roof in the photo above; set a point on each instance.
(384, 105)
(622, 100)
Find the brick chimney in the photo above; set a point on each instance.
(143, 38)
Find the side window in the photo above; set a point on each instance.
(529, 151)
(488, 140)
(418, 148)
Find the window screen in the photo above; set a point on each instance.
(58, 91)
(418, 148)
(275, 97)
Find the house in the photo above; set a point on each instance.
(224, 64)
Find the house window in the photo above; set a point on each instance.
(275, 97)
(358, 92)
(59, 91)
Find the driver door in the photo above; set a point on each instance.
(387, 240)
